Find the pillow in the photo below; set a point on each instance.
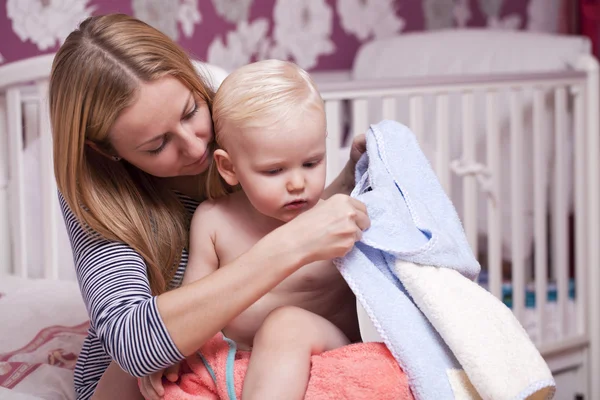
(467, 51)
(213, 74)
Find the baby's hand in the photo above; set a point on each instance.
(359, 146)
(151, 386)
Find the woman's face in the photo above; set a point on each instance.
(166, 131)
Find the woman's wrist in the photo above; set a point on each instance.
(284, 248)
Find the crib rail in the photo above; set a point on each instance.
(559, 260)
(25, 117)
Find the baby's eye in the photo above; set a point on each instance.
(272, 171)
(311, 164)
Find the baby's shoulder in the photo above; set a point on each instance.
(213, 210)
(208, 210)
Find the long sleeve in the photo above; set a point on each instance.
(123, 314)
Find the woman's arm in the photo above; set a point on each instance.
(196, 312)
(344, 182)
(145, 334)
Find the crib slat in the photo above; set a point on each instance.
(469, 157)
(360, 116)
(48, 189)
(442, 151)
(580, 210)
(388, 108)
(334, 137)
(493, 204)
(5, 241)
(516, 197)
(416, 116)
(16, 189)
(560, 213)
(539, 198)
(593, 217)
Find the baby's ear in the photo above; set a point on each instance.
(225, 167)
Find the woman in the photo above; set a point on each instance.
(132, 126)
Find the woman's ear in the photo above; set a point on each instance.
(225, 167)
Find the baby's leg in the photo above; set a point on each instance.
(279, 366)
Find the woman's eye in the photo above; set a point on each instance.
(160, 148)
(191, 113)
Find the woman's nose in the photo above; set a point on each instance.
(192, 146)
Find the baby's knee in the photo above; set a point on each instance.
(282, 324)
(286, 319)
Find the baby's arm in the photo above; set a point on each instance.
(202, 259)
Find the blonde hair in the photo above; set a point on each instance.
(257, 95)
(95, 75)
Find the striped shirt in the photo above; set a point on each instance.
(124, 321)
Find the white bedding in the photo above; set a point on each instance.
(43, 326)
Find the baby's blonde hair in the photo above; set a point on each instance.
(258, 95)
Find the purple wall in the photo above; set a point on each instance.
(316, 34)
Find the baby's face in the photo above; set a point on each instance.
(282, 168)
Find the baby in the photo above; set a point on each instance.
(269, 167)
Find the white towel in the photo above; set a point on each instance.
(482, 333)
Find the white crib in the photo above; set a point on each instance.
(564, 182)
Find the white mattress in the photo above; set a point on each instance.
(43, 326)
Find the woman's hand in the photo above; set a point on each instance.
(151, 386)
(329, 230)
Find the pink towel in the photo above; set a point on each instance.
(357, 371)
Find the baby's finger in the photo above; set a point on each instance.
(156, 381)
(359, 205)
(172, 373)
(362, 219)
(148, 391)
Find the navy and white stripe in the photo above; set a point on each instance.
(124, 321)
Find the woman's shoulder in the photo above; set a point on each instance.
(86, 242)
(188, 203)
(84, 239)
(91, 250)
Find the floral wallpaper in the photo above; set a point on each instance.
(316, 34)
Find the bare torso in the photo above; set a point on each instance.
(316, 287)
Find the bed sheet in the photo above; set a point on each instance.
(43, 326)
